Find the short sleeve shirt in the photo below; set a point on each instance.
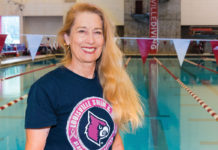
(74, 108)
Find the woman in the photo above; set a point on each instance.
(82, 104)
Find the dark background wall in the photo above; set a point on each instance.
(169, 23)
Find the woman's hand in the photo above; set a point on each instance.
(36, 138)
(118, 143)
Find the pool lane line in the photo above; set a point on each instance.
(125, 65)
(209, 143)
(201, 102)
(212, 89)
(25, 96)
(12, 117)
(207, 84)
(34, 70)
(13, 102)
(199, 65)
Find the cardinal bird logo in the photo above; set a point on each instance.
(96, 129)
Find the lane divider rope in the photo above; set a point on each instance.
(34, 70)
(13, 102)
(26, 95)
(127, 62)
(200, 101)
(199, 65)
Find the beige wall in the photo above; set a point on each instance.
(42, 25)
(113, 8)
(35, 7)
(199, 12)
(54, 10)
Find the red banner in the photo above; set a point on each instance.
(144, 48)
(1, 89)
(153, 26)
(0, 24)
(214, 45)
(2, 41)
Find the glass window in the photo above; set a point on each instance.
(139, 7)
(10, 25)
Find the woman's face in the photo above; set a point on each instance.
(86, 38)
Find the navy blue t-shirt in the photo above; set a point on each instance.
(74, 108)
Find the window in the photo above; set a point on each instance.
(138, 7)
(10, 25)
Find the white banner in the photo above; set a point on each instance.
(171, 42)
(51, 44)
(214, 45)
(33, 43)
(55, 44)
(181, 47)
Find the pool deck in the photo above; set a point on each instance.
(11, 61)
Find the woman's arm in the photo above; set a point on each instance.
(118, 143)
(36, 138)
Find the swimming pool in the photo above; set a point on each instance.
(173, 118)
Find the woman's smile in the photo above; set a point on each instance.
(89, 50)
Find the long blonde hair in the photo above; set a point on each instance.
(117, 86)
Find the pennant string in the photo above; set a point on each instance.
(181, 45)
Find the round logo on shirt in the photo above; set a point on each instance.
(90, 125)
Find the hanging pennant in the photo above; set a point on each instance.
(33, 43)
(55, 45)
(51, 43)
(214, 45)
(171, 42)
(2, 41)
(181, 47)
(144, 48)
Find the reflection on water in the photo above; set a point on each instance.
(173, 119)
(12, 134)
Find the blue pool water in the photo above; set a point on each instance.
(173, 119)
